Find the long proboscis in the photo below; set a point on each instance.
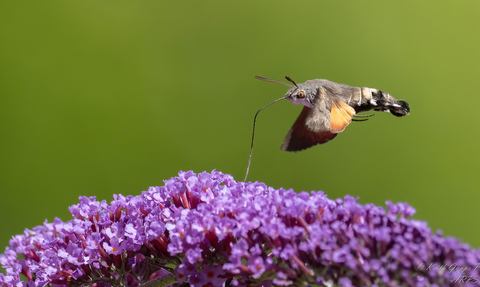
(255, 120)
(253, 135)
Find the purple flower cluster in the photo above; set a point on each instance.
(209, 230)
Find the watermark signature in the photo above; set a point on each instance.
(460, 272)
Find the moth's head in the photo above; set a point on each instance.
(296, 95)
(301, 94)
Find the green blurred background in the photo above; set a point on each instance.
(104, 97)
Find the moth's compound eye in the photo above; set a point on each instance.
(301, 94)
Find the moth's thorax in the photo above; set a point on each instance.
(310, 90)
(305, 93)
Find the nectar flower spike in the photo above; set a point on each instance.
(208, 229)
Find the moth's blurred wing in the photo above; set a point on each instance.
(320, 124)
(319, 118)
(300, 137)
(340, 116)
(329, 113)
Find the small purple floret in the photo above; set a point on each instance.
(209, 230)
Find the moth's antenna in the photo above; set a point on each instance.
(291, 81)
(253, 130)
(270, 80)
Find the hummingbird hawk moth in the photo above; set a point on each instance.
(329, 108)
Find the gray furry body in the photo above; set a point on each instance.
(361, 99)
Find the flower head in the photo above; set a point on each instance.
(209, 230)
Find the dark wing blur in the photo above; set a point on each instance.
(300, 137)
(320, 124)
